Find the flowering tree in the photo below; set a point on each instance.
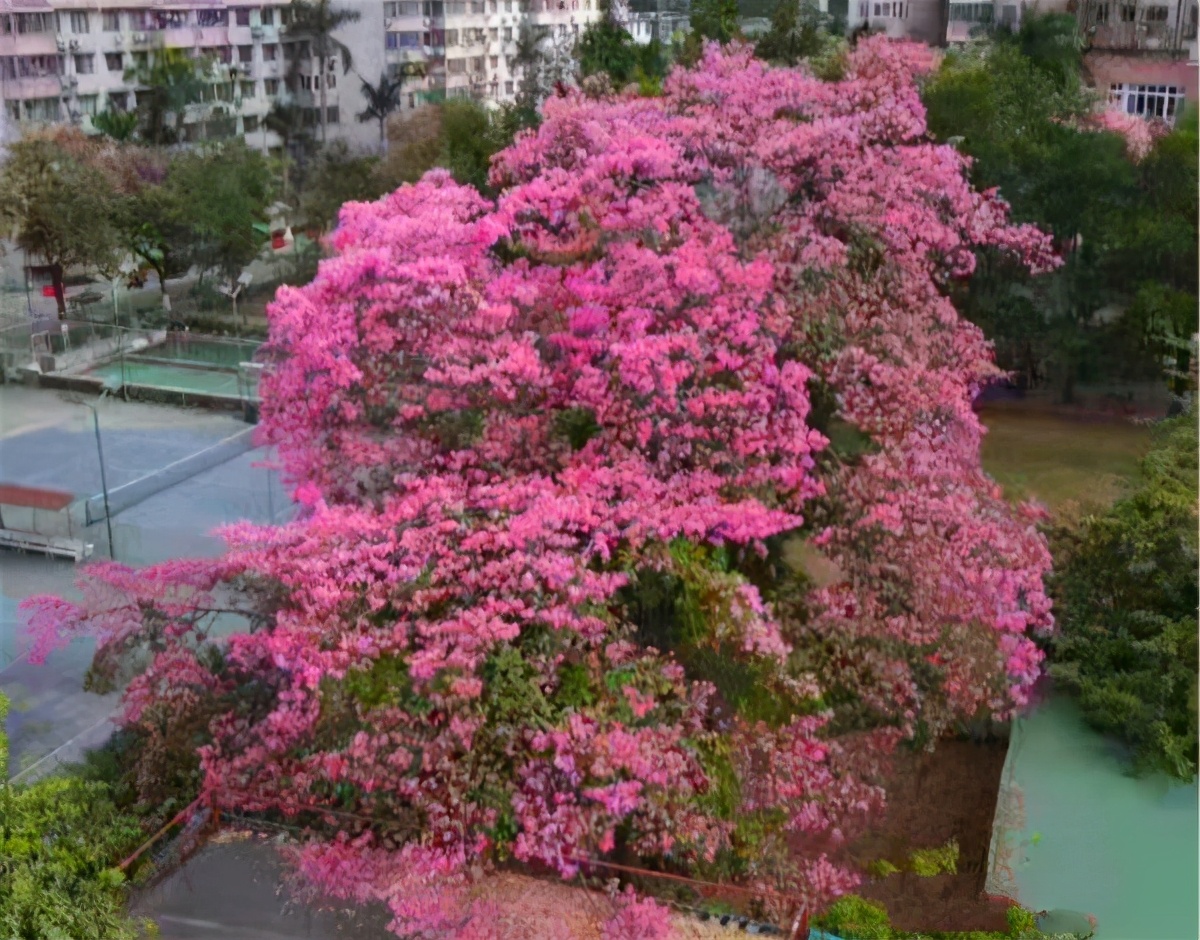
(521, 428)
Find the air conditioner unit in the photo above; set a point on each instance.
(139, 37)
(74, 45)
(61, 43)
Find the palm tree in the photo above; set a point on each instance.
(116, 125)
(285, 120)
(382, 100)
(173, 80)
(316, 20)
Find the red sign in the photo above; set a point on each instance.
(48, 290)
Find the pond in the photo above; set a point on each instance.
(1095, 840)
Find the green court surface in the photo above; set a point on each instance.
(215, 352)
(162, 375)
(1097, 841)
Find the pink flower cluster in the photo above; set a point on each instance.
(497, 415)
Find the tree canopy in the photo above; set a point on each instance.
(552, 449)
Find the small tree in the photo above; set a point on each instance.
(798, 31)
(317, 21)
(338, 176)
(116, 125)
(1127, 596)
(382, 100)
(220, 194)
(171, 80)
(59, 209)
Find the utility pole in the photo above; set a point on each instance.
(112, 549)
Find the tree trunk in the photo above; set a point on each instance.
(56, 274)
(321, 66)
(383, 141)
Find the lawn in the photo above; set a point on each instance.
(1058, 460)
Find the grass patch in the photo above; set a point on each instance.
(1059, 461)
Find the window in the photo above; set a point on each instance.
(271, 87)
(492, 5)
(41, 109)
(452, 37)
(493, 34)
(332, 115)
(111, 22)
(971, 12)
(391, 41)
(507, 6)
(1148, 101)
(85, 64)
(14, 110)
(36, 23)
(87, 104)
(1189, 30)
(508, 88)
(245, 54)
(1100, 13)
(477, 64)
(1155, 14)
(508, 34)
(456, 66)
(1128, 13)
(331, 80)
(266, 16)
(212, 17)
(113, 61)
(243, 17)
(250, 123)
(408, 40)
(270, 52)
(877, 10)
(495, 62)
(79, 22)
(170, 19)
(247, 89)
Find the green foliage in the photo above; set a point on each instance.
(59, 208)
(1127, 595)
(381, 101)
(170, 80)
(60, 842)
(799, 31)
(881, 868)
(116, 125)
(513, 695)
(711, 21)
(606, 47)
(577, 425)
(1127, 232)
(221, 194)
(1021, 922)
(930, 862)
(851, 917)
(336, 177)
(386, 683)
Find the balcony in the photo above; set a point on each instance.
(36, 86)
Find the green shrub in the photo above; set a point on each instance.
(1021, 923)
(60, 842)
(1126, 597)
(854, 918)
(881, 868)
(940, 861)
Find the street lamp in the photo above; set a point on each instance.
(112, 549)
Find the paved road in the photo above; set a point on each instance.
(45, 441)
(234, 890)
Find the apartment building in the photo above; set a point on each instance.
(920, 20)
(68, 60)
(468, 48)
(1141, 53)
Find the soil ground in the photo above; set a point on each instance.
(932, 799)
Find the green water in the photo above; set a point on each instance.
(212, 351)
(159, 375)
(1097, 841)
